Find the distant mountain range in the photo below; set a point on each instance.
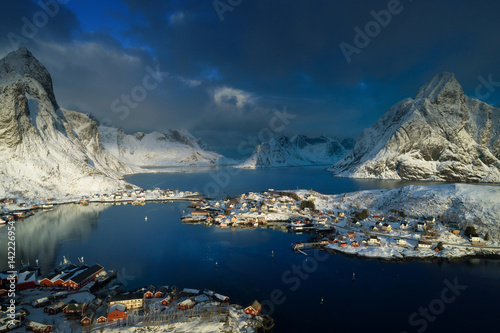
(48, 151)
(159, 149)
(300, 150)
(440, 135)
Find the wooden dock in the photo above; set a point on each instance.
(308, 245)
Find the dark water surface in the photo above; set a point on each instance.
(385, 297)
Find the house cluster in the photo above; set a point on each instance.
(14, 210)
(67, 290)
(78, 294)
(120, 305)
(72, 277)
(261, 209)
(140, 196)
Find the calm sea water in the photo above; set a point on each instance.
(385, 297)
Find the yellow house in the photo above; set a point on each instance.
(130, 300)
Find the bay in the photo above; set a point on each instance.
(385, 297)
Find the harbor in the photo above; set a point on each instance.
(94, 299)
(337, 227)
(227, 259)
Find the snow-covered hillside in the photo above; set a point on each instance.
(281, 151)
(47, 151)
(441, 134)
(158, 149)
(478, 205)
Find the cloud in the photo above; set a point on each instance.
(225, 95)
(225, 77)
(176, 18)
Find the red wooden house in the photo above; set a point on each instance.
(187, 304)
(83, 278)
(117, 311)
(89, 316)
(161, 292)
(150, 292)
(253, 309)
(86, 321)
(74, 309)
(38, 327)
(56, 308)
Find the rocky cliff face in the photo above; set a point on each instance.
(45, 150)
(298, 151)
(441, 134)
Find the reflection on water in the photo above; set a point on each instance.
(40, 236)
(162, 250)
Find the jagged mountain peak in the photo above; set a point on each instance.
(45, 150)
(300, 150)
(22, 64)
(440, 135)
(441, 85)
(281, 139)
(158, 148)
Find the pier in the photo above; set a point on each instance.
(301, 246)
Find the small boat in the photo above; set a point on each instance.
(146, 218)
(353, 276)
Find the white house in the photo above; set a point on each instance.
(401, 242)
(374, 240)
(424, 244)
(476, 239)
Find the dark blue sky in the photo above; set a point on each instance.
(224, 68)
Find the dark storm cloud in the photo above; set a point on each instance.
(291, 48)
(27, 22)
(224, 78)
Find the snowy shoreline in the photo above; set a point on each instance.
(430, 258)
(379, 235)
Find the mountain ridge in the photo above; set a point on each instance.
(440, 135)
(300, 150)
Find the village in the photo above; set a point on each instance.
(16, 210)
(79, 298)
(336, 226)
(90, 298)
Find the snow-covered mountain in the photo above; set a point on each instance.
(441, 134)
(159, 149)
(47, 151)
(300, 150)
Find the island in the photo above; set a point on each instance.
(425, 222)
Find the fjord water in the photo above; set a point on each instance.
(238, 263)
